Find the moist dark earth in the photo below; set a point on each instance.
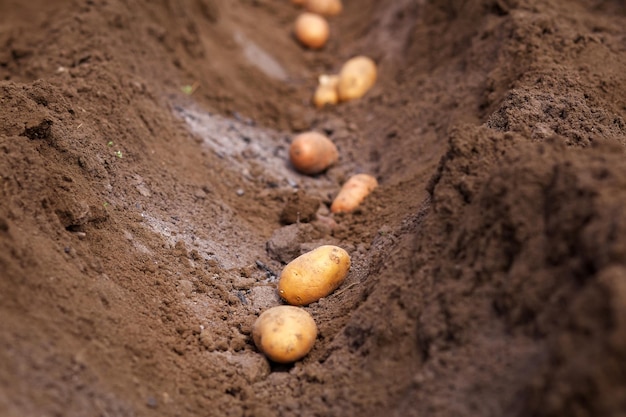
(148, 205)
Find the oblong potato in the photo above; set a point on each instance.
(324, 7)
(284, 333)
(353, 192)
(356, 77)
(313, 275)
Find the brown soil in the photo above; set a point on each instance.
(142, 226)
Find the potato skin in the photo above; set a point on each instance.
(284, 333)
(353, 192)
(312, 153)
(313, 275)
(324, 7)
(356, 77)
(326, 92)
(311, 30)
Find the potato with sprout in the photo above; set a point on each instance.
(326, 92)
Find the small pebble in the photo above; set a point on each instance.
(152, 402)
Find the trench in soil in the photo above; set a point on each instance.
(148, 207)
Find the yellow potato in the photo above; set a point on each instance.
(313, 275)
(353, 193)
(325, 7)
(326, 92)
(284, 333)
(311, 30)
(356, 77)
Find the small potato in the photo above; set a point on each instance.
(353, 193)
(311, 30)
(356, 77)
(313, 275)
(326, 93)
(324, 7)
(311, 153)
(284, 333)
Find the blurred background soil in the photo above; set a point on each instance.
(147, 206)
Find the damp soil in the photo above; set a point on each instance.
(147, 207)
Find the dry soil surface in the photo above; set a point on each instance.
(147, 206)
